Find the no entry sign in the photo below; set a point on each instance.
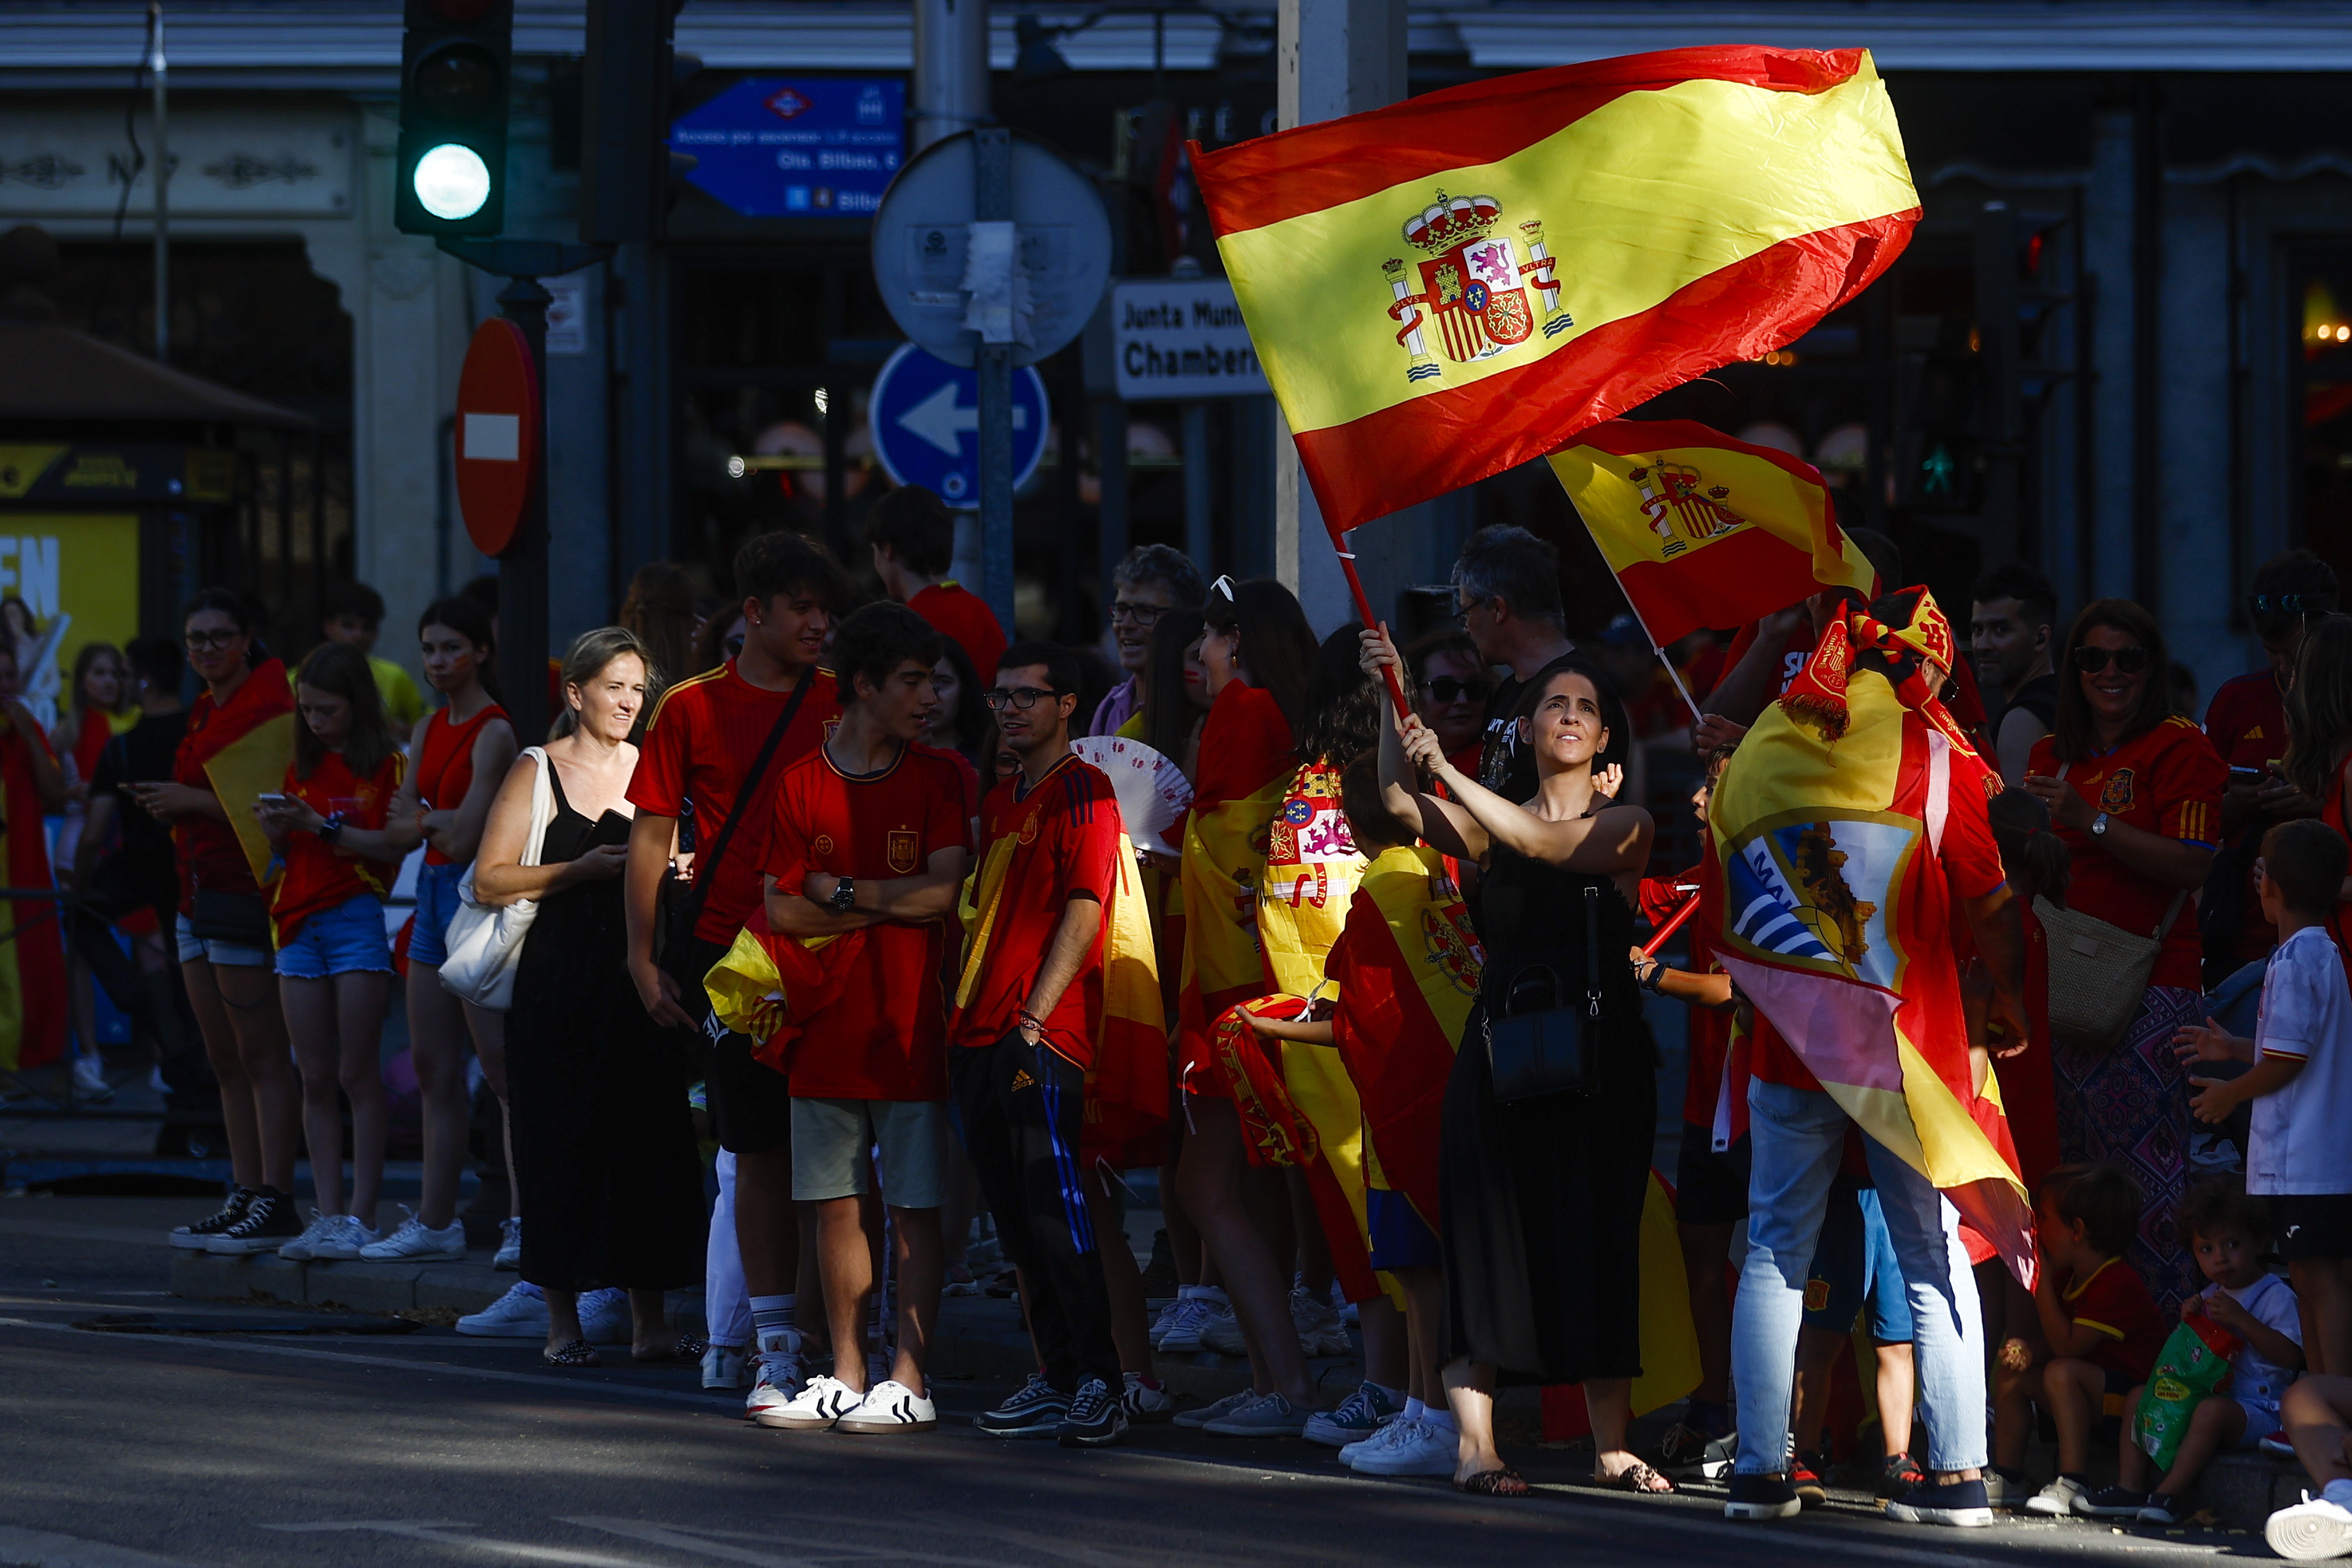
(498, 434)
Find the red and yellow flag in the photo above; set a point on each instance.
(32, 954)
(1704, 531)
(1246, 762)
(1452, 285)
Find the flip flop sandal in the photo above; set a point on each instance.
(1636, 1478)
(687, 1348)
(579, 1353)
(1504, 1482)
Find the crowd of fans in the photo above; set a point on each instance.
(876, 815)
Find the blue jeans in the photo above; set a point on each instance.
(1798, 1135)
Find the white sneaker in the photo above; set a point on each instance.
(817, 1407)
(889, 1406)
(416, 1241)
(1421, 1450)
(1167, 1318)
(298, 1249)
(1222, 1332)
(604, 1316)
(1144, 1401)
(1381, 1437)
(723, 1366)
(344, 1240)
(2310, 1531)
(90, 1081)
(1269, 1415)
(1222, 1408)
(2056, 1500)
(1320, 1332)
(520, 1314)
(777, 1376)
(1191, 1312)
(509, 1255)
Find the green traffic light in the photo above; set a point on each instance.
(451, 182)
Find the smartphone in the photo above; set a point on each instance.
(2245, 775)
(271, 799)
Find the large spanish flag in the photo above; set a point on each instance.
(1704, 531)
(31, 951)
(1838, 922)
(1454, 285)
(1246, 762)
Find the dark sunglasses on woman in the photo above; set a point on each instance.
(1446, 688)
(2093, 660)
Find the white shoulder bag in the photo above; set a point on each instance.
(485, 944)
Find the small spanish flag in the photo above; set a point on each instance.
(1452, 285)
(1704, 531)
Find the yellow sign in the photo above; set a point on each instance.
(82, 564)
(20, 467)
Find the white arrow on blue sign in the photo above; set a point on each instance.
(925, 415)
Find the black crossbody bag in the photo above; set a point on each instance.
(682, 902)
(1538, 1050)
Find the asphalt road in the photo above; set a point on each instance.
(236, 1447)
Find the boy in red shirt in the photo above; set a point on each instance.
(866, 850)
(2101, 1331)
(705, 737)
(912, 535)
(1032, 989)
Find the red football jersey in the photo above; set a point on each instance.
(1066, 833)
(316, 877)
(703, 737)
(957, 613)
(2165, 779)
(2132, 1327)
(885, 1037)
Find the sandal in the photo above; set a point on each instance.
(579, 1353)
(1639, 1478)
(685, 1348)
(1504, 1482)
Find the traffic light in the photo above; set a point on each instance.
(454, 56)
(629, 178)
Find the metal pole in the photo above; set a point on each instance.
(951, 70)
(522, 565)
(157, 68)
(993, 202)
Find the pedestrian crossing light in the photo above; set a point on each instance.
(453, 84)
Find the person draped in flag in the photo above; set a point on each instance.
(1542, 1196)
(1851, 823)
(1259, 651)
(1030, 1024)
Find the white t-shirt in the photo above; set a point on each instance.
(2253, 1380)
(2299, 1145)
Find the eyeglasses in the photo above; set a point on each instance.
(2093, 660)
(1144, 616)
(211, 642)
(1446, 688)
(1022, 696)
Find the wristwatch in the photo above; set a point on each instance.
(844, 896)
(2099, 825)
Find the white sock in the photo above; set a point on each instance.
(1413, 1410)
(2338, 1492)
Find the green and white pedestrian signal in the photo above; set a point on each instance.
(455, 76)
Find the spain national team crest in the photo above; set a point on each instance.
(2116, 799)
(902, 848)
(1479, 291)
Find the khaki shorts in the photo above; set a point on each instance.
(830, 1138)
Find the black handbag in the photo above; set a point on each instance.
(1553, 1049)
(218, 914)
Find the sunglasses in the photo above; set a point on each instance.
(1446, 688)
(2093, 660)
(2269, 604)
(1223, 588)
(211, 642)
(1022, 696)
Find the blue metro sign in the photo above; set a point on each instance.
(799, 146)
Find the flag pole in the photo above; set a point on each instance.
(1364, 612)
(1688, 701)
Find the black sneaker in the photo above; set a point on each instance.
(1095, 1420)
(194, 1237)
(1761, 1497)
(1805, 1480)
(1689, 1449)
(268, 1223)
(1960, 1503)
(2111, 1502)
(1900, 1473)
(1035, 1410)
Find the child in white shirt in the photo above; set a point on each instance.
(2300, 1154)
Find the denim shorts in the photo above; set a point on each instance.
(1854, 1262)
(436, 905)
(346, 940)
(229, 954)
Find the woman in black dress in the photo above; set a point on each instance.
(604, 1141)
(1540, 1199)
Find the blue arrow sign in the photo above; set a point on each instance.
(798, 147)
(925, 415)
